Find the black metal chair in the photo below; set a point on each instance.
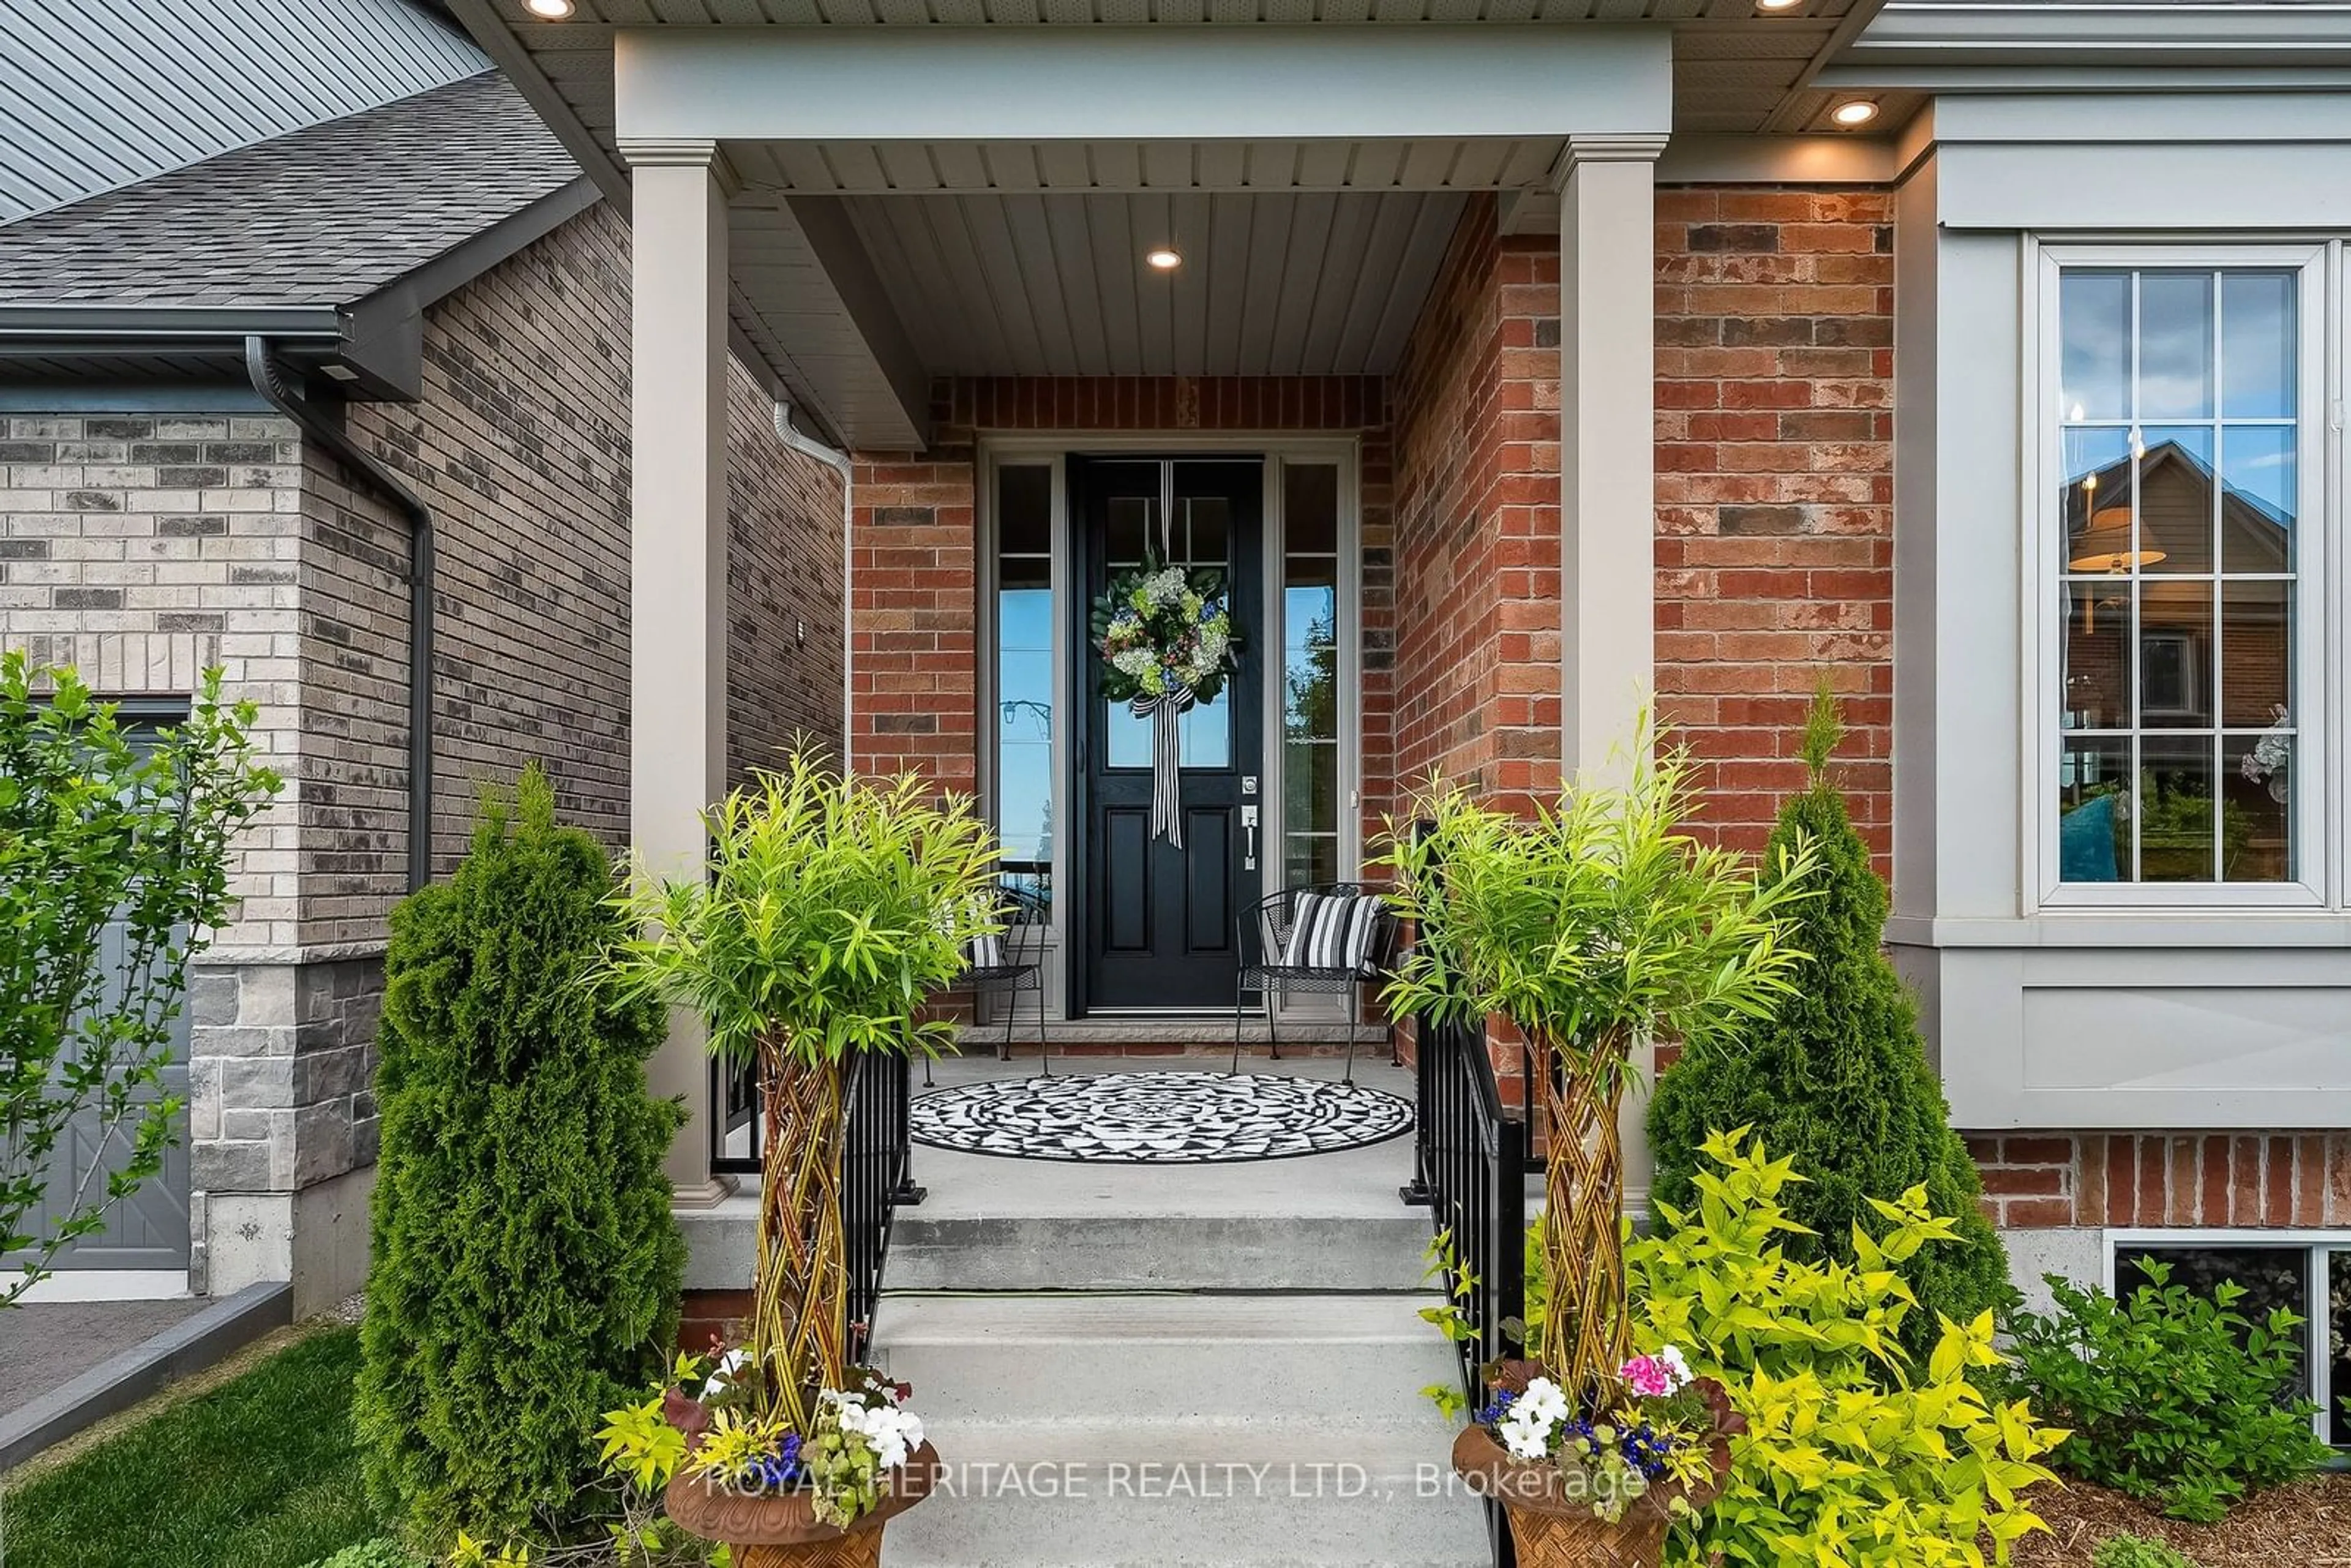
(1011, 963)
(1272, 969)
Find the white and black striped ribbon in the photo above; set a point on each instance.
(1166, 760)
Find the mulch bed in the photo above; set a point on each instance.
(2306, 1525)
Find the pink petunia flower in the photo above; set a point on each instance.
(1647, 1376)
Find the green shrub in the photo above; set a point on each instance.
(383, 1552)
(1854, 1454)
(527, 1269)
(2138, 1552)
(2174, 1397)
(1837, 1078)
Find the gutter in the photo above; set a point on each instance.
(837, 461)
(262, 373)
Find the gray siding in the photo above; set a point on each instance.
(95, 94)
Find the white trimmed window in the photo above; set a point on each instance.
(2308, 1274)
(2181, 551)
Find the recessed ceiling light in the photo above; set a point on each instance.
(1777, 5)
(552, 10)
(1164, 258)
(1860, 111)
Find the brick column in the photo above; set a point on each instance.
(1607, 439)
(677, 593)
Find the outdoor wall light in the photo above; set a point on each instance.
(549, 10)
(1163, 258)
(1860, 111)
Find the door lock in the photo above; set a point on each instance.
(1248, 826)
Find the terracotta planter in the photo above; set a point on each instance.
(781, 1531)
(1555, 1529)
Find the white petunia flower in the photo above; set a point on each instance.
(1544, 1399)
(1525, 1435)
(733, 1362)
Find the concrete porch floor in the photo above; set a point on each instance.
(1351, 1183)
(1046, 1225)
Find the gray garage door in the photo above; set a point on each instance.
(150, 1228)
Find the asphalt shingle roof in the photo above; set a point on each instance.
(322, 217)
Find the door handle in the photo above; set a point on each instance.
(1248, 826)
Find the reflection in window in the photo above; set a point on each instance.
(1024, 663)
(2339, 1341)
(2272, 1276)
(1309, 674)
(2178, 443)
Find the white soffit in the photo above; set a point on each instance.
(1309, 283)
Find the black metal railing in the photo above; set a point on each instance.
(1469, 1166)
(877, 1178)
(736, 1139)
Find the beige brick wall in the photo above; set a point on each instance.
(141, 548)
(784, 588)
(520, 448)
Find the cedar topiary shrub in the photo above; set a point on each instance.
(1837, 1080)
(527, 1270)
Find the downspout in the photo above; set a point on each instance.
(262, 373)
(810, 446)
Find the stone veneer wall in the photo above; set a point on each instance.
(141, 547)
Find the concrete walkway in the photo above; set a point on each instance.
(45, 1346)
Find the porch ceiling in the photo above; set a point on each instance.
(1281, 283)
(880, 241)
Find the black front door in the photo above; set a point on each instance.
(1158, 926)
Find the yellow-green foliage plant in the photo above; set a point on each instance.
(832, 908)
(1854, 1456)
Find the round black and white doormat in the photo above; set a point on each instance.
(1157, 1118)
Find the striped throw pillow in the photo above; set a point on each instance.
(1335, 931)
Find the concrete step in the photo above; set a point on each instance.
(1125, 1251)
(1172, 1431)
(1336, 1360)
(1191, 1519)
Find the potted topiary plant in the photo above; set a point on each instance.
(1594, 927)
(832, 907)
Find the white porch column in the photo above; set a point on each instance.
(677, 567)
(1607, 473)
(1607, 440)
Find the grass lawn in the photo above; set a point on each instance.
(260, 1472)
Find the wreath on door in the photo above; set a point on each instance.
(1163, 631)
(1167, 643)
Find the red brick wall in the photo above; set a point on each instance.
(913, 564)
(1476, 491)
(914, 648)
(1775, 488)
(2244, 1180)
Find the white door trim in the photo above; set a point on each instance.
(996, 450)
